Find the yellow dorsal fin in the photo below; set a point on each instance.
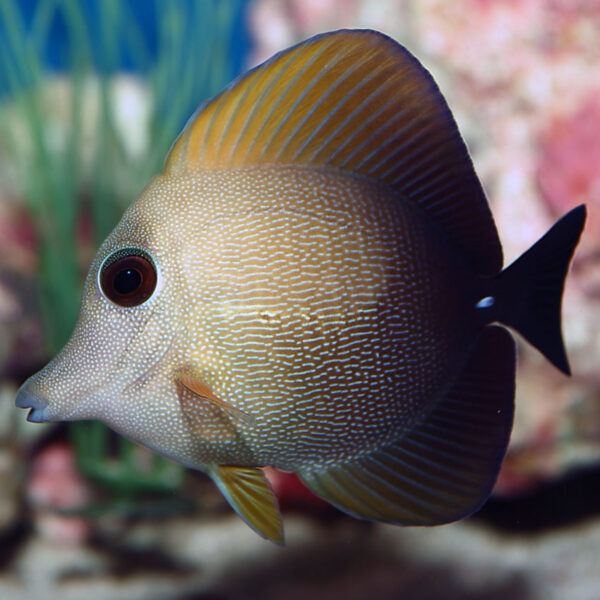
(355, 101)
(250, 495)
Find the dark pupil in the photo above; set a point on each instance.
(127, 281)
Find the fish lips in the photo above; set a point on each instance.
(27, 398)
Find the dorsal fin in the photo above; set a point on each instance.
(355, 101)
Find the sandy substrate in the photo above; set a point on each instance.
(185, 559)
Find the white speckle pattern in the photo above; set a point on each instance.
(330, 310)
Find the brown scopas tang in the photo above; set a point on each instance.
(311, 283)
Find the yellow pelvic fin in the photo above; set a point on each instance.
(250, 495)
(444, 469)
(355, 101)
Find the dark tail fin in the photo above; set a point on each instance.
(528, 293)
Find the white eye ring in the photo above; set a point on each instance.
(128, 277)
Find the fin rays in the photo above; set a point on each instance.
(284, 119)
(351, 122)
(320, 102)
(251, 496)
(377, 115)
(252, 119)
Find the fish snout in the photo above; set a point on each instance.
(27, 398)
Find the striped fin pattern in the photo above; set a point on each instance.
(355, 101)
(251, 496)
(443, 469)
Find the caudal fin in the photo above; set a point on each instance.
(528, 293)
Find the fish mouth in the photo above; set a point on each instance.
(38, 405)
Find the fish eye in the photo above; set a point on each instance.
(128, 277)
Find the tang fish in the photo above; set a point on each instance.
(314, 282)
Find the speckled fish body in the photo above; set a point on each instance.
(297, 310)
(317, 275)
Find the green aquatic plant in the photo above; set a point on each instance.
(82, 171)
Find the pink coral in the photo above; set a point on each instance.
(54, 485)
(55, 481)
(291, 492)
(568, 172)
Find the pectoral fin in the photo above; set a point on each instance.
(210, 417)
(204, 393)
(250, 495)
(443, 469)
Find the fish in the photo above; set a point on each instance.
(315, 283)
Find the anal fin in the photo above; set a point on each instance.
(444, 468)
(250, 495)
